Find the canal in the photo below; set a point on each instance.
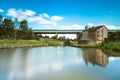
(58, 63)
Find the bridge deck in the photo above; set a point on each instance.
(54, 31)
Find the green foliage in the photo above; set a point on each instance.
(54, 37)
(5, 43)
(114, 36)
(8, 30)
(62, 38)
(50, 41)
(114, 46)
(87, 45)
(79, 35)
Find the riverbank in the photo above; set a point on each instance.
(6, 43)
(115, 46)
(111, 48)
(86, 45)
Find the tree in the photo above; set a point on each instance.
(1, 19)
(79, 35)
(62, 38)
(54, 37)
(30, 34)
(1, 26)
(114, 36)
(8, 28)
(46, 36)
(24, 29)
(16, 25)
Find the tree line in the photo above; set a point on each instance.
(15, 30)
(114, 36)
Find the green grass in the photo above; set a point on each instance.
(111, 53)
(111, 48)
(6, 43)
(115, 46)
(87, 45)
(50, 41)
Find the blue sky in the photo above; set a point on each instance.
(68, 14)
(63, 14)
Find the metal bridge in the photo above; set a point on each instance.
(55, 31)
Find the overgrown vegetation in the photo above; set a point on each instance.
(17, 34)
(87, 45)
(111, 48)
(113, 42)
(15, 30)
(115, 46)
(114, 36)
(7, 43)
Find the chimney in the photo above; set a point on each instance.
(86, 27)
(93, 27)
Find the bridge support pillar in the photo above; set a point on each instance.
(56, 35)
(77, 36)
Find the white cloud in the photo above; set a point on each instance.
(56, 18)
(29, 12)
(35, 19)
(47, 22)
(74, 26)
(1, 10)
(112, 27)
(43, 19)
(46, 15)
(113, 58)
(90, 24)
(12, 12)
(21, 14)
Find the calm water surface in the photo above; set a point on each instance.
(58, 63)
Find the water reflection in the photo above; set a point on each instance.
(18, 64)
(95, 56)
(54, 63)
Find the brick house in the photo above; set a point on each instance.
(94, 35)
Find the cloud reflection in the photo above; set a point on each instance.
(113, 58)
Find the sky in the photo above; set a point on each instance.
(63, 14)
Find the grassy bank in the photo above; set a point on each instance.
(114, 46)
(6, 43)
(87, 45)
(111, 48)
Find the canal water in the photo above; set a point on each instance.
(58, 63)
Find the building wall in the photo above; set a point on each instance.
(84, 35)
(96, 36)
(92, 35)
(101, 34)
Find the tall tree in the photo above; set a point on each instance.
(1, 25)
(24, 29)
(8, 28)
(79, 35)
(16, 25)
(114, 36)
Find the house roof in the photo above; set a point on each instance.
(94, 28)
